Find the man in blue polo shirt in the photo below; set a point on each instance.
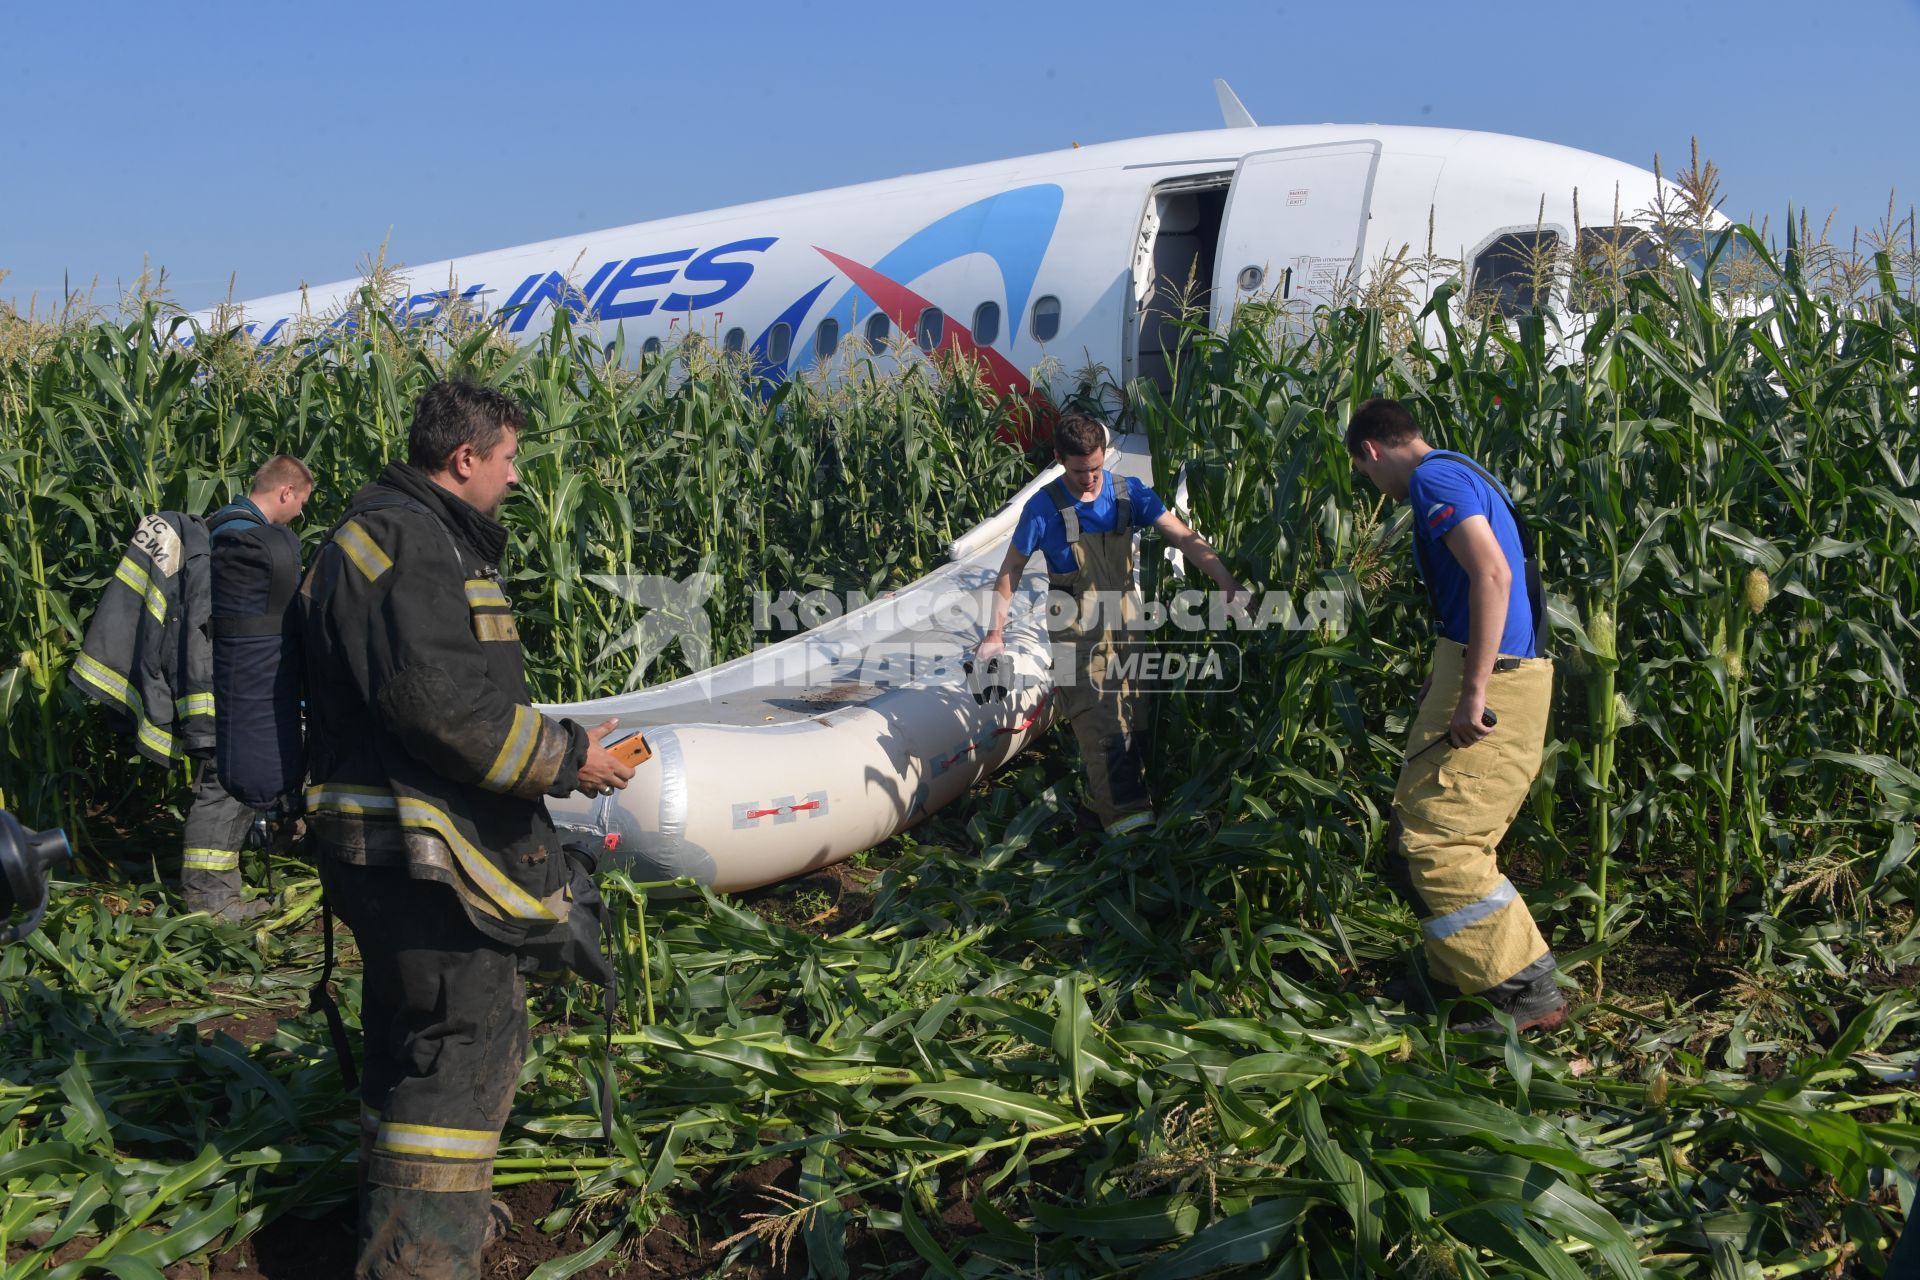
(1085, 522)
(1476, 743)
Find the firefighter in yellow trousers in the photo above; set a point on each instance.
(1475, 745)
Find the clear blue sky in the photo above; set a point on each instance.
(279, 143)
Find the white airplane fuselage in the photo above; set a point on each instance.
(1055, 261)
(1043, 264)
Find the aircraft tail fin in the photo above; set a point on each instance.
(1232, 110)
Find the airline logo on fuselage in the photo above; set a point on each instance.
(675, 282)
(625, 290)
(1010, 229)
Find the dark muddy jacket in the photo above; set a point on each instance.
(425, 750)
(146, 657)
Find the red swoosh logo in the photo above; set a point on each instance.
(903, 306)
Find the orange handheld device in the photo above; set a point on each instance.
(632, 750)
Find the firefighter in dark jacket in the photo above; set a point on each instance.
(429, 768)
(251, 538)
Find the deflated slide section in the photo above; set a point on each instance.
(799, 754)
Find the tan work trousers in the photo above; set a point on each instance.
(1107, 723)
(1108, 718)
(1455, 804)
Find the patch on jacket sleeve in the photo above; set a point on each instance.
(495, 627)
(161, 542)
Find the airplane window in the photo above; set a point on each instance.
(1736, 265)
(1609, 255)
(986, 323)
(826, 339)
(779, 344)
(1046, 318)
(651, 347)
(927, 332)
(736, 340)
(1515, 274)
(878, 327)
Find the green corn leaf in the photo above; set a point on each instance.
(825, 1229)
(574, 1264)
(1071, 1029)
(1240, 1240)
(923, 1242)
(1146, 1221)
(983, 1100)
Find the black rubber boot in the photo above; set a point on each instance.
(1531, 998)
(1415, 989)
(422, 1235)
(238, 912)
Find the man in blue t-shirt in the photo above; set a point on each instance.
(1084, 522)
(1475, 746)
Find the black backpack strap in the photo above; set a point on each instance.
(320, 1000)
(284, 548)
(1530, 560)
(610, 996)
(1122, 503)
(1426, 580)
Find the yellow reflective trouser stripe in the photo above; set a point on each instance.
(484, 592)
(515, 750)
(1130, 822)
(363, 550)
(504, 893)
(434, 1140)
(211, 859)
(194, 704)
(349, 799)
(129, 572)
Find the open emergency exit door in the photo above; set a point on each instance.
(1295, 226)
